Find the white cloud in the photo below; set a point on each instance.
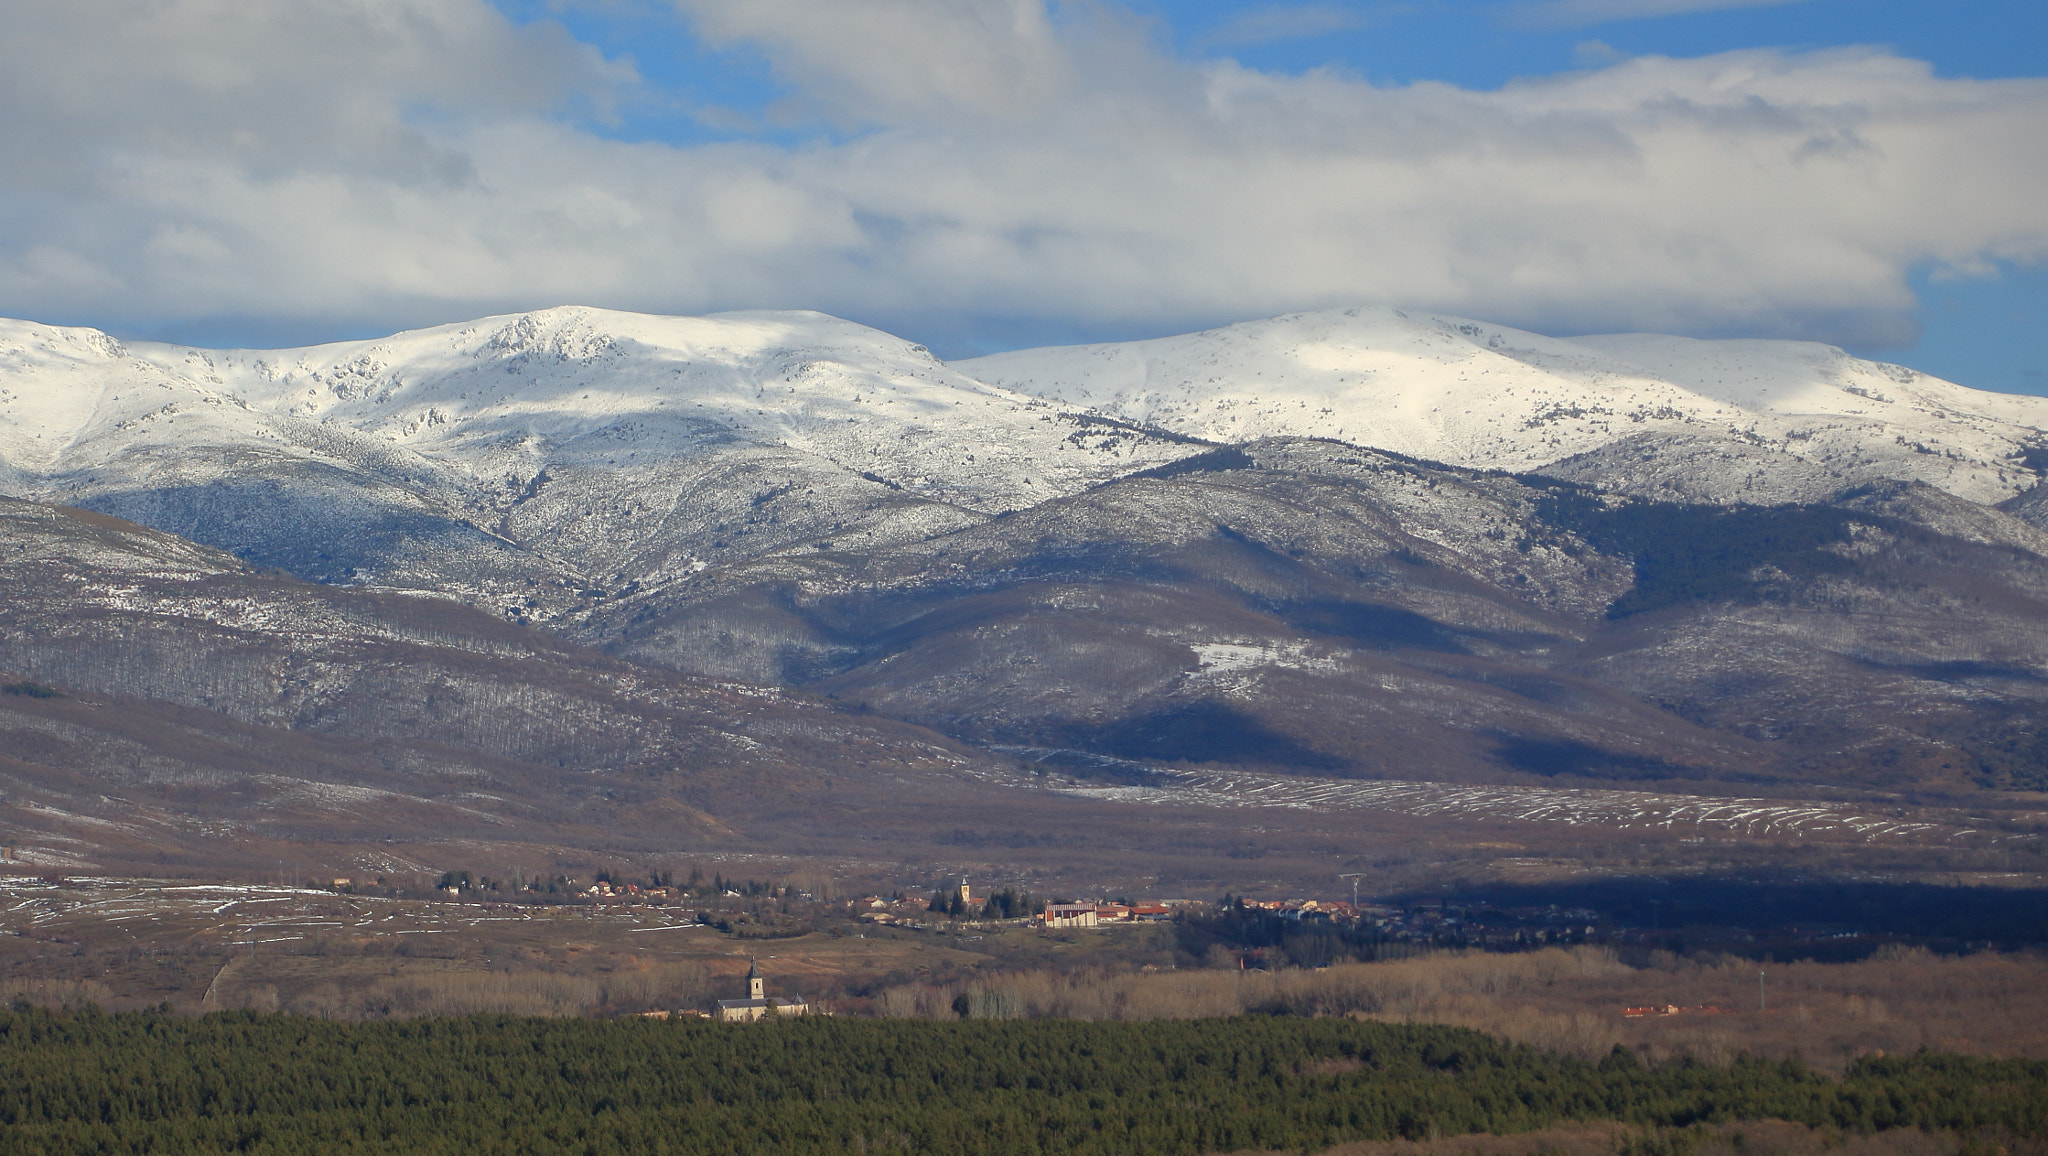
(404, 161)
(270, 87)
(1596, 54)
(887, 60)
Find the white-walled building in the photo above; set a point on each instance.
(757, 1004)
(1069, 915)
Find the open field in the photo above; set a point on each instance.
(1748, 1138)
(1592, 807)
(1266, 836)
(136, 943)
(1573, 1001)
(128, 943)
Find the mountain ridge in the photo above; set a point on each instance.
(1473, 394)
(1606, 572)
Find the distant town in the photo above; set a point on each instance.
(1262, 931)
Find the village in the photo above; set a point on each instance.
(756, 909)
(619, 944)
(966, 909)
(738, 951)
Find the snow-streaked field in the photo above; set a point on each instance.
(1618, 810)
(240, 916)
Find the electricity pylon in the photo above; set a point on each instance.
(1354, 877)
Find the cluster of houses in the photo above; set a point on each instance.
(1672, 1009)
(1316, 909)
(604, 890)
(1474, 926)
(892, 912)
(916, 913)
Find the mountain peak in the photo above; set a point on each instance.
(1492, 397)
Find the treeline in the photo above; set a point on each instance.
(1735, 916)
(1566, 1001)
(1234, 934)
(1945, 917)
(1009, 903)
(79, 1080)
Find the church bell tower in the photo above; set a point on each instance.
(755, 988)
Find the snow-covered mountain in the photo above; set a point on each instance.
(588, 388)
(1169, 550)
(539, 460)
(540, 463)
(1757, 421)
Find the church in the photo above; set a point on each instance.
(757, 1004)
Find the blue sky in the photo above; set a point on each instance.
(984, 174)
(1479, 44)
(1974, 329)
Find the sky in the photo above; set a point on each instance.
(980, 175)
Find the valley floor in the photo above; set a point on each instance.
(195, 948)
(1748, 1138)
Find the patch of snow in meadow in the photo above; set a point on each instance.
(1222, 658)
(1588, 807)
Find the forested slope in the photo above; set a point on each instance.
(143, 1082)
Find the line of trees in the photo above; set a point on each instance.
(83, 1081)
(1009, 903)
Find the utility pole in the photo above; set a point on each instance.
(1353, 876)
(1759, 989)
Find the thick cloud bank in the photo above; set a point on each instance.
(408, 161)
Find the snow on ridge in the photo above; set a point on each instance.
(470, 405)
(563, 388)
(601, 388)
(53, 379)
(1487, 396)
(573, 365)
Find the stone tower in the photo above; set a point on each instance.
(755, 988)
